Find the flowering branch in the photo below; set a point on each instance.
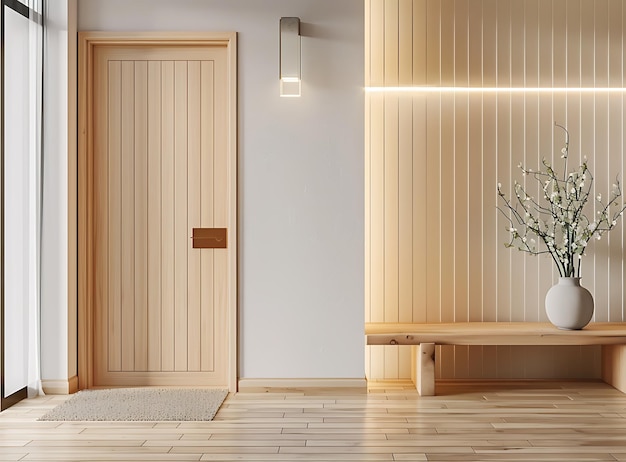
(559, 221)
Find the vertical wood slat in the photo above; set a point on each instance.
(600, 163)
(181, 233)
(390, 206)
(531, 139)
(496, 132)
(446, 164)
(547, 272)
(377, 206)
(114, 219)
(391, 254)
(194, 280)
(141, 216)
(615, 137)
(489, 354)
(453, 188)
(573, 51)
(391, 38)
(376, 72)
(167, 216)
(154, 216)
(447, 42)
(517, 150)
(448, 186)
(420, 184)
(419, 41)
(376, 228)
(405, 42)
(127, 177)
(207, 358)
(587, 47)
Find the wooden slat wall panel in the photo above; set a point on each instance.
(434, 240)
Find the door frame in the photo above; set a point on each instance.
(87, 43)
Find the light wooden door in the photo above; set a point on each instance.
(161, 166)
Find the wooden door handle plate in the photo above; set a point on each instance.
(209, 238)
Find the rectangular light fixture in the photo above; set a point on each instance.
(290, 57)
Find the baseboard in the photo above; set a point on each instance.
(60, 387)
(73, 384)
(249, 384)
(514, 381)
(391, 383)
(55, 387)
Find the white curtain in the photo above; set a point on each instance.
(22, 180)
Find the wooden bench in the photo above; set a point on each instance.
(424, 337)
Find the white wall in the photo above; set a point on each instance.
(55, 364)
(300, 177)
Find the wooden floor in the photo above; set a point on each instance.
(482, 422)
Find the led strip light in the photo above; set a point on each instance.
(495, 90)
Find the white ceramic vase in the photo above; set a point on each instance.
(569, 305)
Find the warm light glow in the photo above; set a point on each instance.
(290, 87)
(495, 90)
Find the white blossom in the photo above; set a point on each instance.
(558, 219)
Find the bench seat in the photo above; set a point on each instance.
(424, 337)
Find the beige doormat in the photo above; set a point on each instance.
(140, 404)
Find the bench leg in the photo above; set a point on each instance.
(424, 360)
